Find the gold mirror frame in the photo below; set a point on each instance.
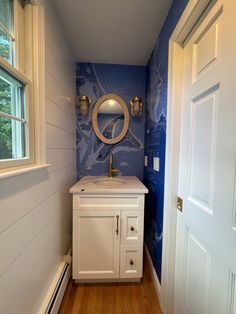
(95, 121)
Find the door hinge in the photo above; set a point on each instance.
(179, 204)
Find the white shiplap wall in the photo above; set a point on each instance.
(35, 208)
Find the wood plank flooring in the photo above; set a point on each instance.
(117, 298)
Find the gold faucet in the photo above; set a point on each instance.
(111, 171)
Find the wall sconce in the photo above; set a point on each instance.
(136, 106)
(83, 104)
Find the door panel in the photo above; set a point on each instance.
(203, 129)
(206, 47)
(232, 294)
(197, 269)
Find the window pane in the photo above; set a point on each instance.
(11, 95)
(5, 138)
(5, 46)
(6, 14)
(12, 139)
(6, 30)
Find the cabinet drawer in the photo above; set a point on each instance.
(132, 227)
(100, 201)
(131, 261)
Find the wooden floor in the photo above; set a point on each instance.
(128, 298)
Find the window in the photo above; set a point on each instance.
(12, 117)
(20, 115)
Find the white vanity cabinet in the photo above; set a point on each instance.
(107, 231)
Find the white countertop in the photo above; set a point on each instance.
(104, 185)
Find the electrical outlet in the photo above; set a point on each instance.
(156, 163)
(145, 161)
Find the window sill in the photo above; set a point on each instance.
(11, 172)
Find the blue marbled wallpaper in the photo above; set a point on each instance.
(155, 137)
(127, 81)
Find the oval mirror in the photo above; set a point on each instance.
(110, 118)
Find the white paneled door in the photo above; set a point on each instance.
(205, 280)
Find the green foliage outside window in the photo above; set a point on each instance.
(5, 46)
(5, 106)
(5, 123)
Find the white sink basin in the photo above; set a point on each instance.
(109, 181)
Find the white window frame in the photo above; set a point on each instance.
(32, 75)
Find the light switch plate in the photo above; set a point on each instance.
(156, 163)
(145, 161)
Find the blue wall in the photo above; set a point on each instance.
(95, 80)
(156, 102)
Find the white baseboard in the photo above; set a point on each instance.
(61, 291)
(108, 280)
(155, 279)
(54, 296)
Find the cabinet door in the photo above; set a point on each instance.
(96, 244)
(132, 227)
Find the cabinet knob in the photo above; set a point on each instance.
(131, 262)
(132, 228)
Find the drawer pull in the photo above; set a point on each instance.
(131, 262)
(117, 224)
(132, 228)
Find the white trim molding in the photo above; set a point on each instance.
(155, 280)
(187, 21)
(39, 83)
(16, 171)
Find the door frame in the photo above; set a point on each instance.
(190, 16)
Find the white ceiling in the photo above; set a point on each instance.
(112, 31)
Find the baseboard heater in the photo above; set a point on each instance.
(57, 289)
